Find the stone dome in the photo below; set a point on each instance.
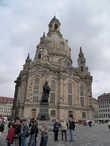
(53, 42)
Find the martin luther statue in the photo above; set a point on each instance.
(45, 93)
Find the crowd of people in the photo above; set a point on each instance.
(25, 133)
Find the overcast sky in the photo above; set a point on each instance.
(84, 23)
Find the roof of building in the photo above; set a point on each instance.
(6, 99)
(104, 96)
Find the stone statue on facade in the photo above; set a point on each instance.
(44, 114)
(45, 93)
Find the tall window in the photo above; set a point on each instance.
(53, 90)
(53, 113)
(70, 93)
(36, 90)
(83, 115)
(82, 95)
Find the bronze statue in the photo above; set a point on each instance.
(45, 94)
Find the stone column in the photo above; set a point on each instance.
(61, 91)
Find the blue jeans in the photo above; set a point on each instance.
(32, 140)
(23, 141)
(44, 140)
(71, 134)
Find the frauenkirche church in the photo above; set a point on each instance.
(71, 88)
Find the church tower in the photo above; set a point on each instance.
(82, 62)
(71, 88)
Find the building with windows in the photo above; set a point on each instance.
(104, 107)
(71, 88)
(6, 104)
(94, 108)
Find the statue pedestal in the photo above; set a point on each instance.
(43, 114)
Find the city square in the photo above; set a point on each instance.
(98, 135)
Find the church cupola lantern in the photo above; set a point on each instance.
(54, 25)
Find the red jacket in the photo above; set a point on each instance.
(10, 135)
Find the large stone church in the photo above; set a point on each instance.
(71, 87)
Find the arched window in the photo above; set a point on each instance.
(36, 90)
(55, 26)
(70, 93)
(53, 90)
(83, 115)
(82, 95)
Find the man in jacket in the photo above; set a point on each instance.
(17, 136)
(71, 126)
(24, 132)
(56, 130)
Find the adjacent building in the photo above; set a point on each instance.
(71, 87)
(6, 104)
(94, 108)
(104, 107)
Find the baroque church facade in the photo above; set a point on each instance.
(71, 88)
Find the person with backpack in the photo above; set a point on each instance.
(71, 127)
(24, 132)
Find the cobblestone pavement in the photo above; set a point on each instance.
(98, 135)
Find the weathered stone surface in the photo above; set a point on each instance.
(53, 63)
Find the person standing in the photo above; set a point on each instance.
(56, 127)
(90, 123)
(71, 126)
(24, 132)
(64, 129)
(32, 134)
(10, 135)
(44, 134)
(36, 133)
(17, 137)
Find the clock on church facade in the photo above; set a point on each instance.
(71, 87)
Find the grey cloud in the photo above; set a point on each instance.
(84, 23)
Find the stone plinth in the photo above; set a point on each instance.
(43, 114)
